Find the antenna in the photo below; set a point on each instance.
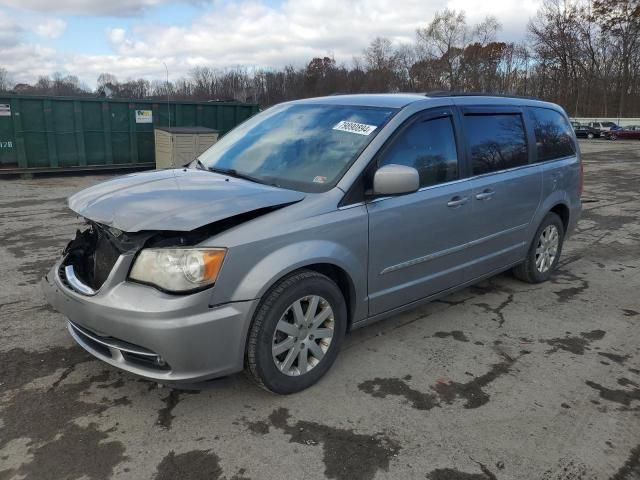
(168, 106)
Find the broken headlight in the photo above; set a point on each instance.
(178, 269)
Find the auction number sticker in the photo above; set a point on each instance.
(8, 144)
(5, 110)
(354, 127)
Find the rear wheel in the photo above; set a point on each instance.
(544, 252)
(296, 333)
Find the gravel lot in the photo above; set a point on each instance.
(502, 380)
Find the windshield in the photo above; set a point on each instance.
(301, 147)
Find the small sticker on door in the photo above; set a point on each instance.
(354, 127)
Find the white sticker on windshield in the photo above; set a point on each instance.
(354, 127)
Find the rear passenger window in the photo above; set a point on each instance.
(553, 135)
(430, 147)
(497, 142)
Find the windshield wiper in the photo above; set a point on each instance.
(232, 172)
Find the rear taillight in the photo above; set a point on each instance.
(581, 186)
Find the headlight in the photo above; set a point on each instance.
(178, 269)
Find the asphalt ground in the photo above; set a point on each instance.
(502, 380)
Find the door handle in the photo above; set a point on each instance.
(486, 195)
(457, 201)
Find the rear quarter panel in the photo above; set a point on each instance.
(561, 185)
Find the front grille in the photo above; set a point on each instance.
(92, 255)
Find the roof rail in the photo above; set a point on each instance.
(446, 93)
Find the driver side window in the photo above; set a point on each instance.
(429, 146)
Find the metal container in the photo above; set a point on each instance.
(47, 134)
(177, 146)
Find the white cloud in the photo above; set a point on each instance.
(118, 8)
(10, 32)
(252, 33)
(116, 35)
(51, 28)
(27, 62)
(513, 15)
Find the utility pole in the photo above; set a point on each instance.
(168, 106)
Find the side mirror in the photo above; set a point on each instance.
(395, 179)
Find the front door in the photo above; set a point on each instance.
(416, 241)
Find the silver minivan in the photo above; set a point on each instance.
(311, 219)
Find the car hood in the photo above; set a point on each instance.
(178, 200)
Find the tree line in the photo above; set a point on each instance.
(582, 54)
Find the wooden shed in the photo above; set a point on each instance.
(177, 146)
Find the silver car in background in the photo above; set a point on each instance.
(313, 218)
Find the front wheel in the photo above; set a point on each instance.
(296, 332)
(544, 252)
(590, 136)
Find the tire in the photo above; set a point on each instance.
(590, 136)
(276, 372)
(613, 136)
(529, 271)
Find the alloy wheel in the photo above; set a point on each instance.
(547, 248)
(303, 335)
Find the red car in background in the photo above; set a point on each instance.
(627, 133)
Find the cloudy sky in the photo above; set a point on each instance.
(131, 38)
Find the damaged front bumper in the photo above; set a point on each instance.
(167, 338)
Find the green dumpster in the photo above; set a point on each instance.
(42, 134)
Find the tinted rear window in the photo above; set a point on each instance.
(553, 134)
(497, 142)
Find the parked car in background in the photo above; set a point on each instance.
(310, 219)
(623, 133)
(585, 131)
(603, 126)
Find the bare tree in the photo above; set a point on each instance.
(406, 56)
(584, 55)
(555, 35)
(485, 32)
(620, 19)
(5, 83)
(444, 39)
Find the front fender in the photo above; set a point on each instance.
(262, 252)
(296, 256)
(263, 274)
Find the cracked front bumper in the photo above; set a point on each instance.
(166, 338)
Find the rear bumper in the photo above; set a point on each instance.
(166, 338)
